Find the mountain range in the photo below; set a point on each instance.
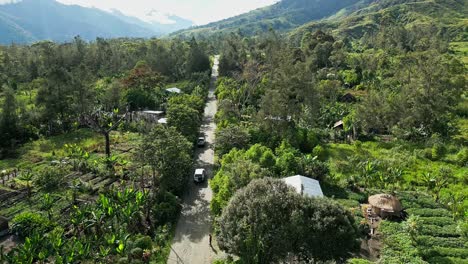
(28, 21)
(350, 18)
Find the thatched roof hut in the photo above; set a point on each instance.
(385, 204)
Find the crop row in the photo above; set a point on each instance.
(437, 220)
(445, 252)
(427, 212)
(449, 242)
(440, 231)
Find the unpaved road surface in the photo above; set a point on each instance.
(191, 241)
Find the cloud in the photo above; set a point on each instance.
(200, 11)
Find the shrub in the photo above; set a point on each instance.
(441, 231)
(427, 212)
(447, 260)
(438, 151)
(314, 168)
(49, 179)
(358, 261)
(166, 209)
(430, 241)
(449, 252)
(319, 152)
(428, 153)
(144, 242)
(136, 253)
(437, 220)
(462, 157)
(29, 223)
(123, 261)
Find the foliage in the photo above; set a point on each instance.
(29, 223)
(266, 220)
(49, 178)
(168, 154)
(231, 137)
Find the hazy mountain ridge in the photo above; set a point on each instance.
(284, 15)
(351, 18)
(33, 20)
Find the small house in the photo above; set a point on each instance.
(4, 228)
(385, 205)
(304, 185)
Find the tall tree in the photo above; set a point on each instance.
(168, 154)
(9, 130)
(266, 222)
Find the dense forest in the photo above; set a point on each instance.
(98, 139)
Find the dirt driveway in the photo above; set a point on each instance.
(191, 240)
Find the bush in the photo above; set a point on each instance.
(49, 179)
(144, 242)
(430, 241)
(448, 252)
(166, 209)
(440, 231)
(314, 168)
(427, 212)
(136, 253)
(447, 260)
(29, 223)
(358, 261)
(438, 151)
(462, 157)
(437, 220)
(123, 261)
(319, 152)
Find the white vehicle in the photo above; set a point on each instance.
(201, 142)
(199, 175)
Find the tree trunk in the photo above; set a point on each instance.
(107, 136)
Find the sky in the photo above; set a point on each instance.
(199, 11)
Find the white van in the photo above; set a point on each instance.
(199, 175)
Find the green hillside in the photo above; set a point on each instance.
(282, 16)
(448, 15)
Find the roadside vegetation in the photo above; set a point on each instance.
(374, 114)
(84, 178)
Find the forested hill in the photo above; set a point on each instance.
(33, 20)
(284, 15)
(350, 18)
(368, 16)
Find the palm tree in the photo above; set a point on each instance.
(47, 203)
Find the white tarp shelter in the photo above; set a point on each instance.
(304, 185)
(174, 90)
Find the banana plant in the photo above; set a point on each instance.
(27, 177)
(47, 204)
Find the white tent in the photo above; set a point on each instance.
(174, 90)
(304, 185)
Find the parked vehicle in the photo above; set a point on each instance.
(201, 141)
(199, 176)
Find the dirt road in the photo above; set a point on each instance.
(191, 241)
